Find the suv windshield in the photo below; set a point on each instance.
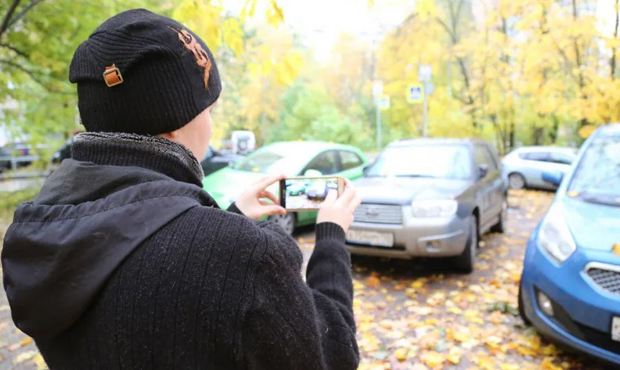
(597, 178)
(428, 160)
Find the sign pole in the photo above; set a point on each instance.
(377, 91)
(425, 75)
(425, 110)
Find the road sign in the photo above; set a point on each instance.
(384, 103)
(425, 72)
(415, 94)
(377, 89)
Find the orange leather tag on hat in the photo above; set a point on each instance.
(112, 76)
(616, 249)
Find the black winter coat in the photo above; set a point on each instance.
(124, 262)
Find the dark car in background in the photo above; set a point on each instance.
(429, 198)
(5, 160)
(215, 160)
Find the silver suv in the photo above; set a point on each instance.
(429, 198)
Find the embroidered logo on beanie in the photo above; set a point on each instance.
(201, 57)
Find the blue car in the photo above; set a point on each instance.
(570, 285)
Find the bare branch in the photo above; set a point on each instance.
(21, 14)
(7, 17)
(14, 49)
(33, 74)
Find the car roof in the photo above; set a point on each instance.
(307, 147)
(435, 141)
(541, 148)
(609, 129)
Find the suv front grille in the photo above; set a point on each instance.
(379, 213)
(608, 280)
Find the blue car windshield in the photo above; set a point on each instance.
(597, 177)
(426, 160)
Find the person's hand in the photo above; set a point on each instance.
(257, 202)
(339, 210)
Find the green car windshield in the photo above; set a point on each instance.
(597, 177)
(438, 161)
(271, 161)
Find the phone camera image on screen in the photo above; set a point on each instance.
(308, 193)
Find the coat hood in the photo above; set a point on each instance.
(62, 247)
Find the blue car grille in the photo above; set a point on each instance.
(606, 279)
(379, 213)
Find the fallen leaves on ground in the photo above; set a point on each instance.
(420, 315)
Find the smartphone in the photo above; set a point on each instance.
(307, 193)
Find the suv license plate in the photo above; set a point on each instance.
(371, 238)
(615, 329)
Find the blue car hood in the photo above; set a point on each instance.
(594, 226)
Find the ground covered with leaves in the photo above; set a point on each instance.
(418, 314)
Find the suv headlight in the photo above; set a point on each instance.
(433, 208)
(554, 235)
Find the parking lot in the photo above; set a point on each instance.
(418, 314)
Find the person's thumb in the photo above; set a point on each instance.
(332, 196)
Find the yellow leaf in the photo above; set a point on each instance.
(455, 355)
(433, 359)
(401, 354)
(548, 364)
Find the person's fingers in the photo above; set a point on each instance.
(332, 196)
(346, 197)
(355, 203)
(269, 195)
(266, 181)
(272, 210)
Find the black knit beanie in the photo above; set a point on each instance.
(143, 73)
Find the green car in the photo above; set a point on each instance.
(293, 158)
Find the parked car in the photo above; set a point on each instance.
(242, 142)
(429, 198)
(570, 285)
(215, 160)
(524, 167)
(17, 154)
(63, 152)
(295, 158)
(5, 160)
(296, 189)
(317, 191)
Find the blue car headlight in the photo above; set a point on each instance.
(554, 235)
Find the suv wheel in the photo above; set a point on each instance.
(465, 261)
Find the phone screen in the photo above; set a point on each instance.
(307, 193)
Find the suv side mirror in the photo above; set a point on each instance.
(483, 171)
(554, 178)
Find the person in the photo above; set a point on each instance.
(124, 261)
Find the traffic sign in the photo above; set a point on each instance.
(415, 94)
(384, 103)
